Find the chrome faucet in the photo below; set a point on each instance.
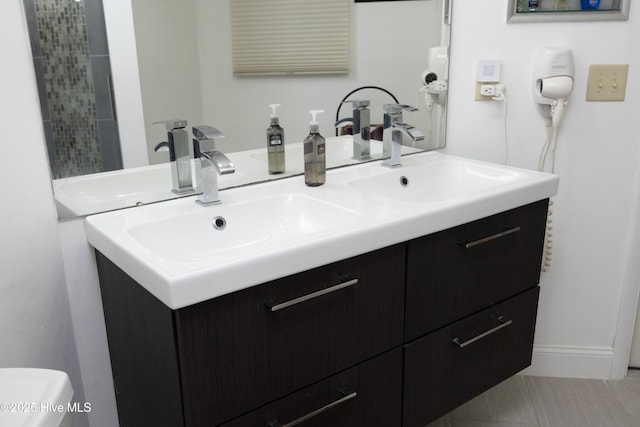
(211, 164)
(361, 122)
(180, 159)
(393, 130)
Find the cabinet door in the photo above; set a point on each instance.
(144, 358)
(454, 364)
(249, 348)
(366, 395)
(459, 271)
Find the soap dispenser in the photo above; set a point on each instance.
(315, 167)
(275, 143)
(179, 155)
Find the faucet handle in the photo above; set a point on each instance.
(163, 146)
(397, 108)
(358, 103)
(173, 124)
(204, 132)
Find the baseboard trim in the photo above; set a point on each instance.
(571, 362)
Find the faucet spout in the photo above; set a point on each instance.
(209, 164)
(219, 161)
(416, 135)
(394, 128)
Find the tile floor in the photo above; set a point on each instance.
(524, 401)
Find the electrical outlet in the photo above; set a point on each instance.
(488, 90)
(481, 95)
(607, 82)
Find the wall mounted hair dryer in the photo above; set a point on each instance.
(552, 85)
(435, 87)
(434, 79)
(553, 82)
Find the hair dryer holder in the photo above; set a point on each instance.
(552, 79)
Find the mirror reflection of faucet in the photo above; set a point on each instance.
(178, 146)
(394, 128)
(361, 122)
(211, 164)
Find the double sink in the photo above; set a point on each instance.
(184, 253)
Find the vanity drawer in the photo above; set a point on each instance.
(247, 349)
(452, 365)
(366, 395)
(462, 270)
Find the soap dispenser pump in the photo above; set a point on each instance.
(275, 143)
(315, 167)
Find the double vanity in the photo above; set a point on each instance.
(386, 297)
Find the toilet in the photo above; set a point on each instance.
(34, 398)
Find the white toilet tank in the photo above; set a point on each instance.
(34, 398)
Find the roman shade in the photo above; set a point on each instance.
(290, 36)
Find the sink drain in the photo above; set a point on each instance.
(219, 223)
(404, 181)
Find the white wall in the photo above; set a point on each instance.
(35, 322)
(126, 83)
(88, 321)
(598, 162)
(167, 46)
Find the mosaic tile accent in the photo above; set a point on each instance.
(66, 78)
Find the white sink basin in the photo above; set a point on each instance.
(441, 179)
(283, 227)
(227, 232)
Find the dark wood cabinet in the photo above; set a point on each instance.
(144, 355)
(459, 271)
(249, 348)
(456, 363)
(398, 327)
(369, 394)
(232, 354)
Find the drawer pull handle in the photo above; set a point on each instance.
(490, 238)
(503, 324)
(318, 411)
(280, 306)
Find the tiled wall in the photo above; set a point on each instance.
(71, 57)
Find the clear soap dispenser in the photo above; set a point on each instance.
(275, 143)
(315, 167)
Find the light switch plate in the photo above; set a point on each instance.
(607, 82)
(488, 71)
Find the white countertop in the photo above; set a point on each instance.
(105, 191)
(172, 250)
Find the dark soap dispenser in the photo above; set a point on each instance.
(315, 167)
(275, 143)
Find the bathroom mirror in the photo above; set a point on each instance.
(176, 63)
